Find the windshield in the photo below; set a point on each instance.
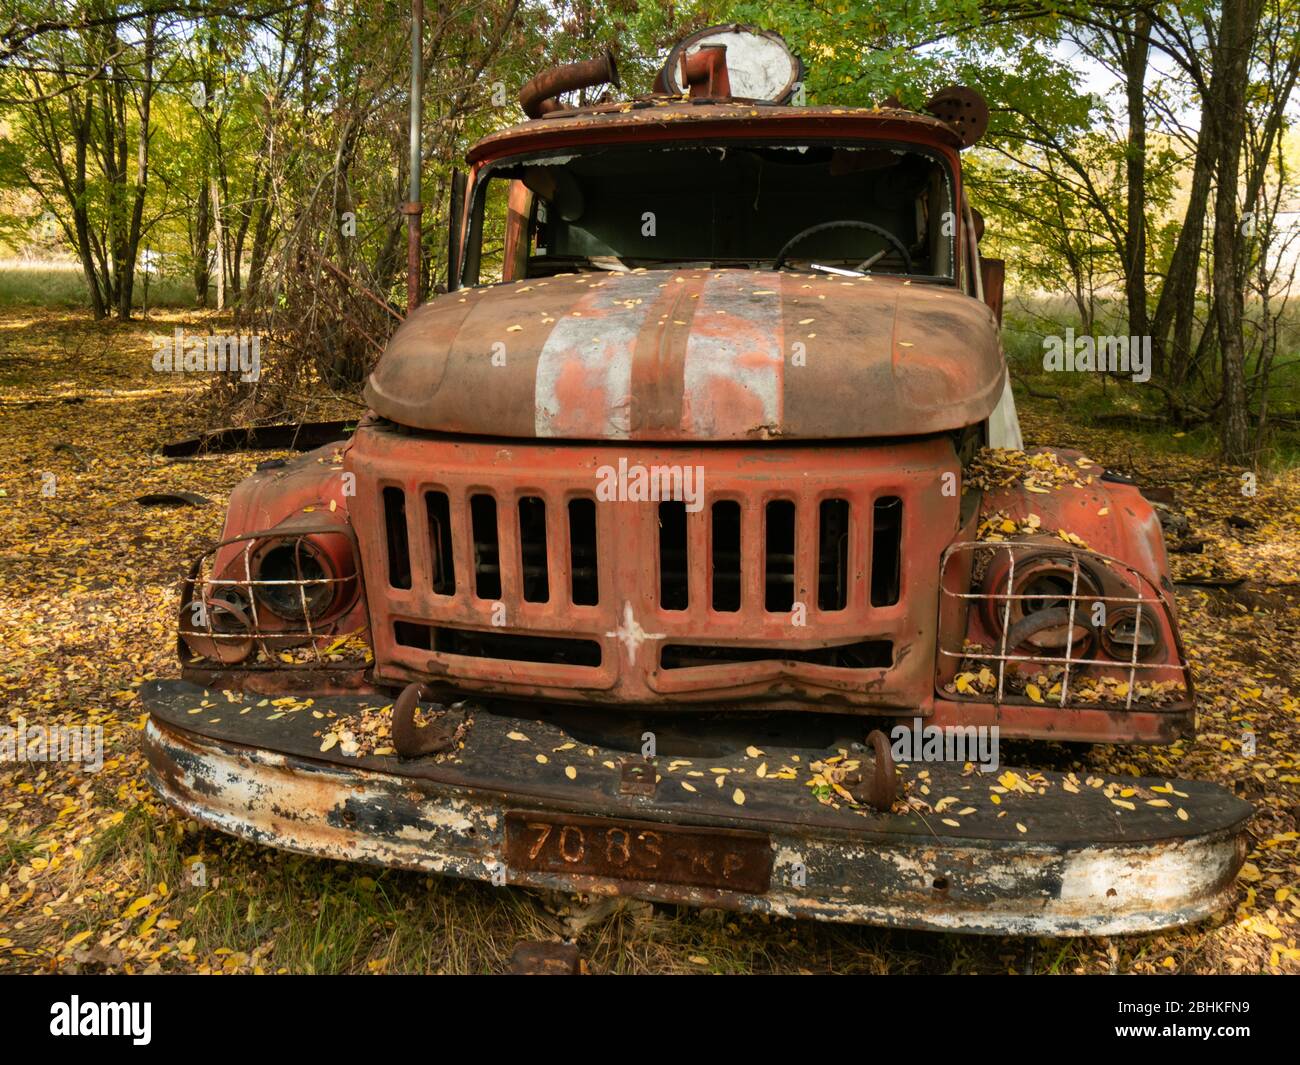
(874, 208)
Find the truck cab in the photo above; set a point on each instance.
(696, 498)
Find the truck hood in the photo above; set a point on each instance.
(678, 355)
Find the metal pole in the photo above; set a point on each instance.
(414, 206)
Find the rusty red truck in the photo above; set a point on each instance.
(688, 550)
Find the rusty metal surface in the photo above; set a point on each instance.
(1111, 517)
(760, 59)
(963, 109)
(413, 211)
(538, 97)
(1124, 552)
(638, 777)
(413, 741)
(993, 276)
(705, 73)
(1024, 720)
(635, 120)
(876, 784)
(629, 622)
(305, 484)
(224, 622)
(694, 355)
(226, 617)
(725, 859)
(1082, 868)
(277, 682)
(492, 761)
(413, 207)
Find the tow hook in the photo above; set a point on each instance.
(411, 740)
(877, 785)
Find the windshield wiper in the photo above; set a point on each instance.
(839, 271)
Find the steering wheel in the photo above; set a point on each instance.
(850, 223)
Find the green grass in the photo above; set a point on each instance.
(64, 286)
(15, 850)
(1094, 399)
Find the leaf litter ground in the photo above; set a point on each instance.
(97, 875)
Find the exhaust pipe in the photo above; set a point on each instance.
(704, 73)
(538, 97)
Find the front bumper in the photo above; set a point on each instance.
(1046, 861)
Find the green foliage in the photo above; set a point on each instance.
(276, 143)
(861, 53)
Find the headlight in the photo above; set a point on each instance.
(292, 581)
(1102, 632)
(272, 590)
(1124, 630)
(1037, 616)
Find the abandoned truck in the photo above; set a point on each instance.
(693, 558)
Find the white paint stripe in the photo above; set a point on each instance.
(591, 356)
(742, 347)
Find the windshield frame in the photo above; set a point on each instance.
(472, 231)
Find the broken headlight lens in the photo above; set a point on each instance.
(1038, 616)
(1125, 629)
(290, 580)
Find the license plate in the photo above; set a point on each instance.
(728, 859)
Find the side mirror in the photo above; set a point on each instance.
(993, 276)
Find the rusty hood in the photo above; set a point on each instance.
(676, 355)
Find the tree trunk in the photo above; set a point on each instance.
(1240, 19)
(134, 227)
(202, 230)
(1176, 308)
(1134, 49)
(80, 213)
(261, 236)
(221, 244)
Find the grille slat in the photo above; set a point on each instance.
(462, 543)
(805, 553)
(751, 559)
(698, 561)
(557, 550)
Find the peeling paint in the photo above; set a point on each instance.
(924, 882)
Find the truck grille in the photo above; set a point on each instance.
(723, 551)
(504, 568)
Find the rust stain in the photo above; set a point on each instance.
(926, 882)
